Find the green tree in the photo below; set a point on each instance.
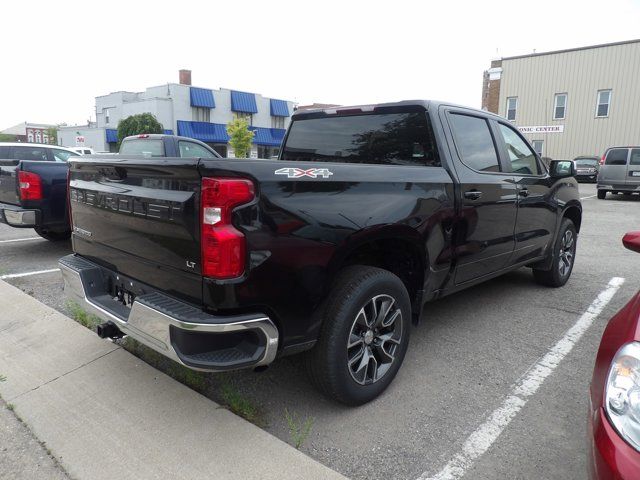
(52, 133)
(137, 124)
(5, 137)
(240, 137)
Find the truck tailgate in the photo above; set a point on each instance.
(8, 183)
(140, 218)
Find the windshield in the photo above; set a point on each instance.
(146, 147)
(389, 138)
(586, 162)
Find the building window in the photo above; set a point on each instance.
(604, 100)
(277, 122)
(30, 137)
(245, 116)
(512, 106)
(201, 114)
(105, 111)
(538, 147)
(38, 137)
(560, 106)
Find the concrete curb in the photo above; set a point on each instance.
(105, 414)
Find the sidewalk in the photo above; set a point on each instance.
(105, 414)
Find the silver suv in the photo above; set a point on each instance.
(619, 171)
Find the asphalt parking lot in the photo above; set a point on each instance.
(463, 362)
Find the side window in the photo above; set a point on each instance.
(62, 155)
(617, 156)
(474, 142)
(5, 152)
(30, 153)
(522, 158)
(190, 149)
(635, 157)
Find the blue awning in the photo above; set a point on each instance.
(243, 102)
(271, 137)
(168, 132)
(204, 131)
(112, 135)
(279, 108)
(202, 97)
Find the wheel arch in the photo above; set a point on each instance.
(398, 249)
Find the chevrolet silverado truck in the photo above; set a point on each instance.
(331, 250)
(33, 188)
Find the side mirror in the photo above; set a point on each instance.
(562, 168)
(632, 241)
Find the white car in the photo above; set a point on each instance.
(83, 150)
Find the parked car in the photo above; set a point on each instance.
(33, 188)
(159, 145)
(333, 249)
(83, 150)
(619, 171)
(614, 401)
(587, 168)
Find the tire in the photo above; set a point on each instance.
(54, 236)
(350, 335)
(602, 194)
(563, 257)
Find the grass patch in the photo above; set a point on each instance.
(239, 404)
(11, 406)
(81, 316)
(3, 378)
(298, 430)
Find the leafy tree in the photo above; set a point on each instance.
(52, 133)
(5, 137)
(137, 124)
(240, 137)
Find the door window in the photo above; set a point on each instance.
(5, 152)
(30, 153)
(474, 142)
(617, 156)
(62, 155)
(190, 149)
(635, 157)
(523, 160)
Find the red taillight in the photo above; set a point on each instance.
(223, 246)
(602, 159)
(30, 186)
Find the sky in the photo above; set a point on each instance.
(59, 55)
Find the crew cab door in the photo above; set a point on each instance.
(537, 214)
(487, 197)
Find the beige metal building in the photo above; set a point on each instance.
(572, 102)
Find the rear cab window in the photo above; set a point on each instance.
(617, 156)
(191, 149)
(62, 155)
(393, 136)
(146, 147)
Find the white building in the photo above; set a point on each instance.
(183, 109)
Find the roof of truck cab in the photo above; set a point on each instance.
(426, 104)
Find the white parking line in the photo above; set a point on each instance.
(27, 274)
(21, 239)
(590, 196)
(487, 433)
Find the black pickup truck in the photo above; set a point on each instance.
(33, 188)
(332, 249)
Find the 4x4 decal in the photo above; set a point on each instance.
(293, 172)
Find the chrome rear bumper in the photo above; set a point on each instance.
(173, 328)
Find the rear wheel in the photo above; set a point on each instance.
(53, 236)
(602, 194)
(563, 257)
(364, 335)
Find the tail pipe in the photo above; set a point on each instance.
(108, 330)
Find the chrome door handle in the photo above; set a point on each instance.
(473, 195)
